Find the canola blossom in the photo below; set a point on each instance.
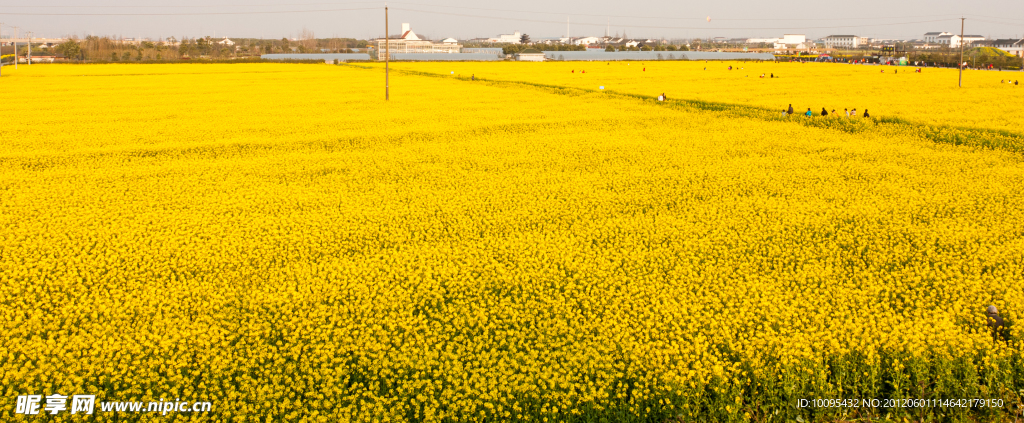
(930, 97)
(278, 240)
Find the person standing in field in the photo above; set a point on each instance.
(824, 112)
(866, 113)
(847, 111)
(834, 113)
(995, 323)
(790, 111)
(853, 113)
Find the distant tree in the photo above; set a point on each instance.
(609, 48)
(113, 56)
(670, 48)
(307, 39)
(126, 56)
(525, 38)
(645, 48)
(70, 49)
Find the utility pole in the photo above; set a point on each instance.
(15, 47)
(961, 64)
(29, 33)
(387, 57)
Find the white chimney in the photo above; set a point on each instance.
(405, 28)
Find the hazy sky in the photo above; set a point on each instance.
(483, 18)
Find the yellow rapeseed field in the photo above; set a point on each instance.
(931, 97)
(279, 241)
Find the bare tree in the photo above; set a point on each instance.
(307, 40)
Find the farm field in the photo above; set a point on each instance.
(279, 241)
(931, 97)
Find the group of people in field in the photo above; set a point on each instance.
(848, 112)
(1014, 82)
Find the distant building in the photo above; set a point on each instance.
(226, 42)
(586, 41)
(450, 41)
(530, 55)
(953, 40)
(844, 41)
(933, 37)
(490, 50)
(1009, 45)
(513, 38)
(797, 41)
(791, 39)
(409, 42)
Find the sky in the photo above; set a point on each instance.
(464, 19)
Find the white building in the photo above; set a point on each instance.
(409, 42)
(586, 41)
(933, 37)
(449, 41)
(407, 33)
(513, 38)
(953, 40)
(790, 39)
(798, 41)
(530, 55)
(226, 42)
(844, 41)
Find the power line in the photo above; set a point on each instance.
(192, 14)
(670, 18)
(425, 4)
(189, 6)
(1017, 25)
(667, 27)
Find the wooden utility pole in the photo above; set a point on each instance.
(15, 47)
(387, 57)
(961, 63)
(29, 33)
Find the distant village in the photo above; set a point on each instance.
(408, 45)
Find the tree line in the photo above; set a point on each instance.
(107, 49)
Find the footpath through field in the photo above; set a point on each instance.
(927, 104)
